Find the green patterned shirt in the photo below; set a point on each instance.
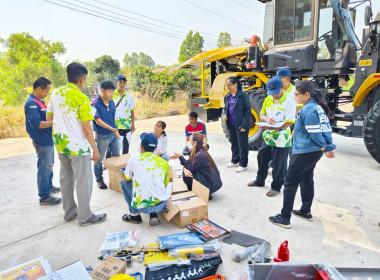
(124, 110)
(70, 107)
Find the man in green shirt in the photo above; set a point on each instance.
(71, 113)
(279, 113)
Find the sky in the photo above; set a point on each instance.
(87, 37)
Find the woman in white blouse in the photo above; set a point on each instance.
(162, 145)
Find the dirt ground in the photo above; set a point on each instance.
(345, 232)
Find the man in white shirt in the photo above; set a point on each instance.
(145, 180)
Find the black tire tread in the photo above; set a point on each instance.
(370, 129)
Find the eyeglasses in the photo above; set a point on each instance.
(296, 94)
(229, 85)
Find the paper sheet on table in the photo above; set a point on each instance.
(74, 271)
(279, 124)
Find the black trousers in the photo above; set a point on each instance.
(125, 145)
(301, 171)
(280, 165)
(239, 145)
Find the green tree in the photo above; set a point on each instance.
(23, 61)
(192, 44)
(139, 77)
(135, 59)
(131, 61)
(103, 68)
(224, 40)
(146, 60)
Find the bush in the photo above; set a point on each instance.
(12, 122)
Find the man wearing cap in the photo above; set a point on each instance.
(106, 133)
(284, 74)
(280, 110)
(145, 180)
(125, 114)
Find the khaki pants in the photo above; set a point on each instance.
(76, 173)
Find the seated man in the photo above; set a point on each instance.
(145, 180)
(193, 127)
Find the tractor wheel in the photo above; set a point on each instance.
(254, 134)
(371, 132)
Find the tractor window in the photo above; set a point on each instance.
(268, 23)
(293, 21)
(331, 35)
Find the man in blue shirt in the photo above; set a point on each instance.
(106, 133)
(40, 130)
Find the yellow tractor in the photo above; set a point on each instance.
(315, 39)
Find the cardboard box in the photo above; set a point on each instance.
(179, 185)
(108, 268)
(113, 165)
(188, 207)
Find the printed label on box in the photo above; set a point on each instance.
(185, 213)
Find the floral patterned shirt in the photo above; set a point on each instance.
(70, 108)
(124, 110)
(150, 174)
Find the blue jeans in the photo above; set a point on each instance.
(105, 142)
(127, 190)
(165, 157)
(45, 163)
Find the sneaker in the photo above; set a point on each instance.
(51, 200)
(132, 219)
(54, 190)
(278, 221)
(231, 165)
(72, 218)
(102, 185)
(307, 217)
(95, 219)
(240, 169)
(154, 221)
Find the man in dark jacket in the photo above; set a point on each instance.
(237, 114)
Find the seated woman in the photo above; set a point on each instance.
(200, 166)
(162, 146)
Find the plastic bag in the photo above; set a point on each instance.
(179, 240)
(210, 247)
(116, 241)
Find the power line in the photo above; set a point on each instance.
(250, 27)
(247, 7)
(128, 11)
(109, 19)
(139, 20)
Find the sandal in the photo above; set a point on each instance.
(272, 193)
(132, 219)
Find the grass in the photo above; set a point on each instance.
(12, 118)
(12, 122)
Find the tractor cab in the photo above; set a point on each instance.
(310, 37)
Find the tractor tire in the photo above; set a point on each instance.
(371, 132)
(255, 138)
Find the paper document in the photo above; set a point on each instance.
(74, 271)
(279, 124)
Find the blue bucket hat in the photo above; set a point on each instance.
(283, 72)
(121, 77)
(274, 85)
(148, 141)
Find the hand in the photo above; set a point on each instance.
(187, 173)
(330, 154)
(117, 133)
(95, 154)
(175, 156)
(271, 121)
(133, 128)
(225, 118)
(242, 129)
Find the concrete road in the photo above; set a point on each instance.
(345, 231)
